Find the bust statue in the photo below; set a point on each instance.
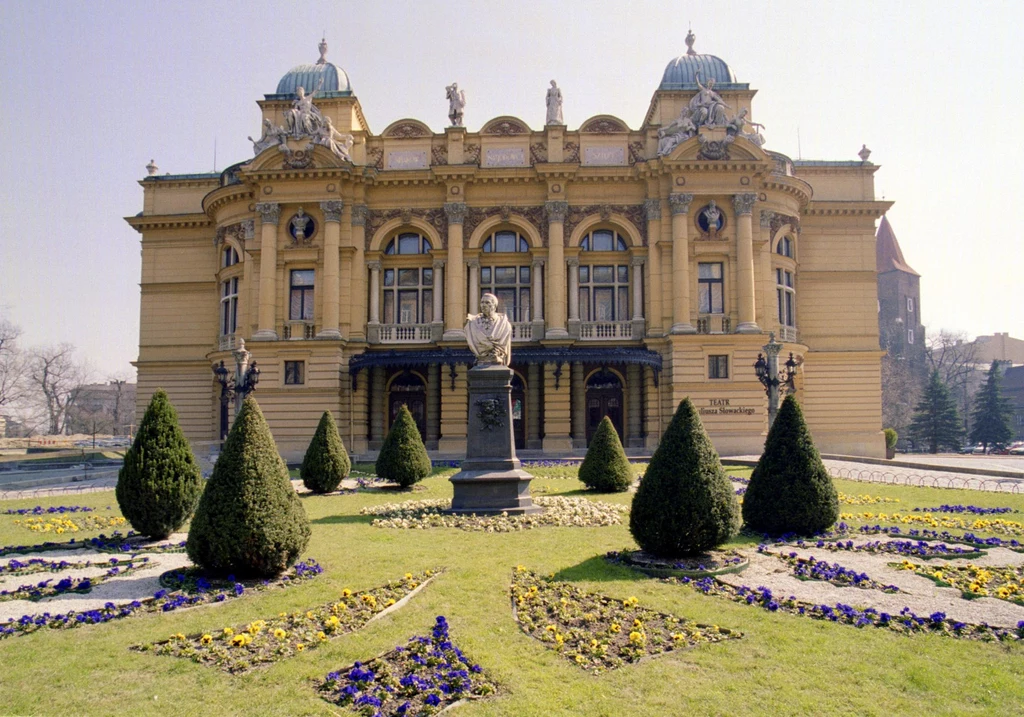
(489, 334)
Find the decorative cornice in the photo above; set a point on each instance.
(332, 210)
(270, 212)
(680, 202)
(653, 209)
(359, 214)
(455, 212)
(743, 203)
(169, 221)
(556, 210)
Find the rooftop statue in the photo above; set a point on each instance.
(676, 132)
(735, 128)
(271, 136)
(456, 103)
(489, 334)
(303, 118)
(334, 140)
(554, 103)
(707, 107)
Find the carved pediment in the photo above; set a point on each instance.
(406, 128)
(295, 155)
(505, 126)
(604, 124)
(716, 149)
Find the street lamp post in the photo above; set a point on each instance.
(237, 386)
(775, 383)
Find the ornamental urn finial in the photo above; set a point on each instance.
(864, 153)
(323, 51)
(152, 168)
(690, 39)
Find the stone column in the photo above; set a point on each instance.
(474, 286)
(743, 205)
(634, 398)
(579, 407)
(374, 267)
(556, 409)
(533, 407)
(358, 293)
(555, 299)
(573, 265)
(437, 322)
(331, 291)
(433, 406)
(537, 298)
(680, 204)
(378, 408)
(654, 315)
(455, 287)
(270, 214)
(637, 262)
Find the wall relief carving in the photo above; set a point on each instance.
(635, 213)
(376, 218)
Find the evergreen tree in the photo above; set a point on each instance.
(790, 490)
(403, 459)
(249, 522)
(685, 503)
(991, 413)
(605, 467)
(159, 483)
(936, 421)
(326, 462)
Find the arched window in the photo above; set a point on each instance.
(408, 243)
(505, 242)
(603, 240)
(230, 256)
(509, 278)
(785, 247)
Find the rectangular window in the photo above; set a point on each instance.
(229, 307)
(718, 366)
(407, 313)
(910, 336)
(294, 373)
(786, 296)
(710, 289)
(910, 304)
(300, 306)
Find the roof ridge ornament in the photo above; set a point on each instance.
(690, 39)
(323, 51)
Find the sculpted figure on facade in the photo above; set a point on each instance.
(456, 103)
(735, 127)
(713, 216)
(337, 142)
(271, 136)
(676, 132)
(554, 103)
(303, 118)
(489, 334)
(300, 225)
(707, 107)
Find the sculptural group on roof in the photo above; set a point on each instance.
(304, 119)
(705, 109)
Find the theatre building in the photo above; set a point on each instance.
(638, 266)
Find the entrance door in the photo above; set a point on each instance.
(409, 389)
(604, 398)
(518, 412)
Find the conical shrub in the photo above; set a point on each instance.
(403, 458)
(249, 522)
(790, 491)
(326, 462)
(159, 483)
(685, 503)
(605, 468)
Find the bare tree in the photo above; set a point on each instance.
(901, 388)
(954, 357)
(12, 364)
(57, 379)
(122, 404)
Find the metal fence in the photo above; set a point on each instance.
(926, 480)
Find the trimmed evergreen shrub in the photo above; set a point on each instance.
(685, 503)
(250, 522)
(790, 491)
(891, 437)
(403, 459)
(605, 467)
(159, 483)
(326, 462)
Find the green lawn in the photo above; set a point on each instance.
(784, 665)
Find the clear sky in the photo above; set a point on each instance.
(91, 91)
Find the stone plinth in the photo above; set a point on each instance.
(491, 480)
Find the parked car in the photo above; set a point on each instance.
(966, 450)
(1017, 449)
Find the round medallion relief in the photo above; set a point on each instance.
(556, 188)
(680, 181)
(268, 190)
(744, 181)
(763, 197)
(456, 190)
(331, 187)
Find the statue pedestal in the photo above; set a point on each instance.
(491, 480)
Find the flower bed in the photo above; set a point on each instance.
(426, 676)
(240, 648)
(40, 510)
(558, 511)
(598, 633)
(116, 543)
(973, 509)
(47, 588)
(715, 562)
(865, 499)
(162, 601)
(922, 549)
(68, 525)
(1003, 582)
(834, 573)
(38, 565)
(984, 525)
(966, 538)
(905, 621)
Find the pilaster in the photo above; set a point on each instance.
(270, 215)
(557, 411)
(331, 276)
(680, 204)
(555, 284)
(455, 303)
(743, 204)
